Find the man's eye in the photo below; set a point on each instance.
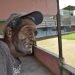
(36, 32)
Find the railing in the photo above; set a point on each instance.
(48, 24)
(51, 61)
(68, 20)
(65, 21)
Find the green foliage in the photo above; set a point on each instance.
(69, 36)
(1, 27)
(1, 21)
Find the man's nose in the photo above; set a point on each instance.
(33, 39)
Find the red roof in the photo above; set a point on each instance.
(47, 7)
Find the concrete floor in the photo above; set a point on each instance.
(30, 66)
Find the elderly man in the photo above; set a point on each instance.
(19, 36)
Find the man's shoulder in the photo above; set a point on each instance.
(3, 44)
(4, 47)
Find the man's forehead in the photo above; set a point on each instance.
(27, 21)
(28, 28)
(25, 25)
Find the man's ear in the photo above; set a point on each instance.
(9, 32)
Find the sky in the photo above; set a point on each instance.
(64, 3)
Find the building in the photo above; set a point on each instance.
(49, 26)
(68, 18)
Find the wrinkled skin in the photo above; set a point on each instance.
(20, 42)
(25, 37)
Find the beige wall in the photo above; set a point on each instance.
(47, 7)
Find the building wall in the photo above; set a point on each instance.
(73, 28)
(46, 32)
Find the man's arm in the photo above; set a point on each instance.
(5, 60)
(3, 63)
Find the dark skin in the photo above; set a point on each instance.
(30, 28)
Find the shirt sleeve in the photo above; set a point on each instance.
(6, 67)
(3, 63)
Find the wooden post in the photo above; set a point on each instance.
(59, 39)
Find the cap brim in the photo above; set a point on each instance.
(36, 16)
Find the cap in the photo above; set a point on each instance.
(36, 16)
(14, 19)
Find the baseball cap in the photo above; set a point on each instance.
(14, 19)
(36, 16)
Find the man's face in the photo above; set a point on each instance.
(25, 38)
